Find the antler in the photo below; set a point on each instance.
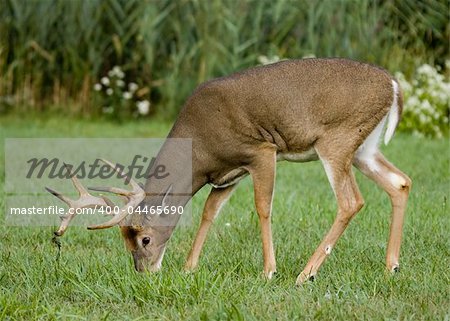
(85, 200)
(134, 198)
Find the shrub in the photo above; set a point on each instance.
(426, 101)
(118, 99)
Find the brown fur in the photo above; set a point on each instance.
(293, 105)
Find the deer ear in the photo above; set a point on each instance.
(164, 203)
(166, 196)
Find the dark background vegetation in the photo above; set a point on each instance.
(53, 52)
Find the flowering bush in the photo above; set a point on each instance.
(426, 102)
(121, 99)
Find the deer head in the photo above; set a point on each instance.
(142, 239)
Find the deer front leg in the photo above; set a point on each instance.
(349, 202)
(217, 197)
(263, 175)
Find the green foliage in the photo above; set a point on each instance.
(426, 102)
(94, 277)
(54, 51)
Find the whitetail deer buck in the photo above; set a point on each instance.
(334, 110)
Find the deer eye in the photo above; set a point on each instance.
(145, 241)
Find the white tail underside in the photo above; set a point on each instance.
(369, 148)
(392, 116)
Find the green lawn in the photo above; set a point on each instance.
(94, 277)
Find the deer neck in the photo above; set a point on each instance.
(175, 172)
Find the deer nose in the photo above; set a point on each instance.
(139, 267)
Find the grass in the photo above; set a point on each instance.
(94, 277)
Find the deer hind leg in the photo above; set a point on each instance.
(397, 185)
(262, 172)
(216, 199)
(349, 201)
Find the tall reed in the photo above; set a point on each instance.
(52, 52)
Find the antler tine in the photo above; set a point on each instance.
(65, 221)
(76, 183)
(112, 222)
(67, 217)
(135, 185)
(115, 190)
(66, 200)
(108, 201)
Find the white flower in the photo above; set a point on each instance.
(412, 101)
(97, 87)
(120, 83)
(264, 60)
(132, 87)
(109, 91)
(127, 95)
(426, 70)
(118, 72)
(105, 81)
(426, 105)
(143, 107)
(228, 224)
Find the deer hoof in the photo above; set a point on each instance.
(395, 269)
(303, 277)
(269, 275)
(189, 268)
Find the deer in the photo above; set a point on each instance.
(334, 110)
